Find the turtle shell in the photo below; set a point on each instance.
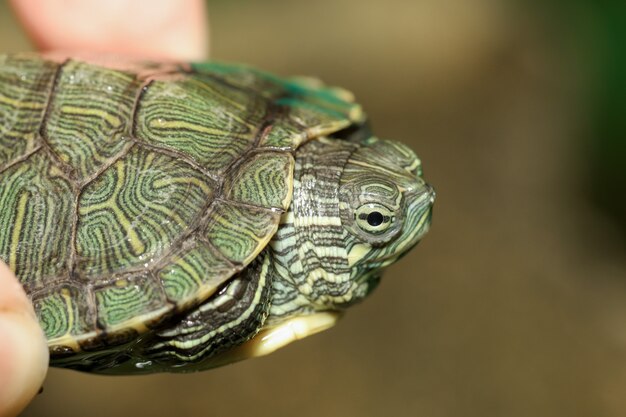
(131, 193)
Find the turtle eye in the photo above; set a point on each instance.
(374, 218)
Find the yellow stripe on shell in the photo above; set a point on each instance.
(20, 104)
(17, 229)
(67, 340)
(84, 111)
(133, 238)
(180, 124)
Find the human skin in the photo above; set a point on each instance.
(158, 29)
(23, 350)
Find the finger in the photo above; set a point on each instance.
(23, 350)
(158, 29)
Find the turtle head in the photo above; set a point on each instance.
(385, 206)
(358, 206)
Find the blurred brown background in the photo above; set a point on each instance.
(515, 303)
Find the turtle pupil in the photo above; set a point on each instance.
(375, 218)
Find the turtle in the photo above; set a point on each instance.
(175, 217)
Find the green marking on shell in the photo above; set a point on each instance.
(60, 312)
(89, 119)
(242, 77)
(284, 134)
(194, 273)
(134, 211)
(302, 90)
(262, 180)
(25, 85)
(202, 119)
(240, 232)
(317, 120)
(128, 300)
(313, 109)
(36, 202)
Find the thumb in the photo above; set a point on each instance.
(23, 351)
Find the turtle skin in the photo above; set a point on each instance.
(132, 193)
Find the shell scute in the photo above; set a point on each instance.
(128, 302)
(309, 108)
(64, 314)
(36, 209)
(263, 180)
(185, 279)
(240, 232)
(131, 215)
(26, 83)
(88, 121)
(209, 122)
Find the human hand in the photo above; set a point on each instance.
(23, 350)
(159, 29)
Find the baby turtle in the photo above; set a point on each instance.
(177, 217)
